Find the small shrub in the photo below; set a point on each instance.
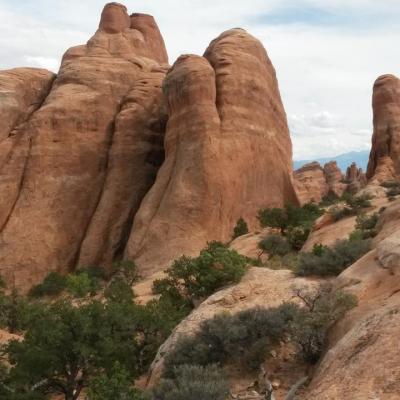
(289, 217)
(357, 203)
(390, 184)
(289, 261)
(393, 192)
(240, 229)
(273, 218)
(297, 236)
(94, 272)
(329, 200)
(354, 205)
(126, 270)
(339, 213)
(323, 308)
(81, 284)
(193, 382)
(118, 290)
(365, 225)
(191, 279)
(52, 285)
(275, 245)
(332, 261)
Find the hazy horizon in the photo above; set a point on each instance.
(327, 53)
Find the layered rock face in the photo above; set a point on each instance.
(310, 183)
(228, 152)
(384, 161)
(94, 149)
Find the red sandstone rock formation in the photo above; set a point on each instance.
(94, 148)
(355, 178)
(334, 178)
(310, 183)
(384, 161)
(228, 152)
(22, 92)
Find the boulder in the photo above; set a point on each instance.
(228, 152)
(384, 160)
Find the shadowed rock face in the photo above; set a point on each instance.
(228, 152)
(384, 161)
(94, 149)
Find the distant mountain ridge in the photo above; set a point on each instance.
(343, 160)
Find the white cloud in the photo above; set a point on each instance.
(326, 72)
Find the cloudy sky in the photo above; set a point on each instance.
(327, 53)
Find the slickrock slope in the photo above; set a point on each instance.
(228, 152)
(384, 161)
(310, 183)
(22, 91)
(363, 359)
(98, 133)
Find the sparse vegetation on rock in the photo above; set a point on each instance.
(191, 279)
(193, 382)
(327, 261)
(354, 205)
(247, 338)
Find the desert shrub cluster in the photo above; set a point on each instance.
(354, 205)
(331, 261)
(294, 225)
(247, 338)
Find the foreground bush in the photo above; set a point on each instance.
(193, 382)
(100, 346)
(332, 261)
(247, 338)
(244, 338)
(190, 279)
